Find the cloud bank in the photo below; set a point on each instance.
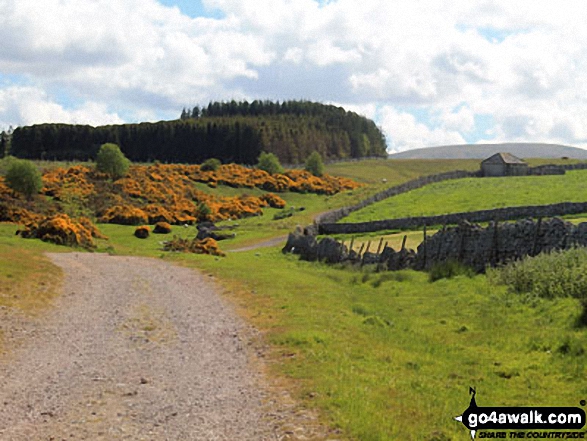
(429, 73)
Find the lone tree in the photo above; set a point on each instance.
(111, 160)
(23, 177)
(314, 164)
(211, 164)
(269, 163)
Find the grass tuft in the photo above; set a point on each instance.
(448, 270)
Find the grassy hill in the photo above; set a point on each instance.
(482, 151)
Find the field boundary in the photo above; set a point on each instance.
(496, 214)
(340, 213)
(326, 223)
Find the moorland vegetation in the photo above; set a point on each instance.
(115, 192)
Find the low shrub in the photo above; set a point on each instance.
(211, 164)
(17, 215)
(143, 232)
(269, 163)
(89, 225)
(124, 215)
(111, 161)
(314, 164)
(157, 213)
(162, 228)
(273, 200)
(196, 246)
(548, 275)
(62, 230)
(23, 177)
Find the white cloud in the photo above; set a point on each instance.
(461, 120)
(31, 105)
(523, 62)
(404, 132)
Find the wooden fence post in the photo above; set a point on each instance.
(379, 247)
(535, 246)
(440, 242)
(366, 251)
(361, 251)
(495, 244)
(424, 245)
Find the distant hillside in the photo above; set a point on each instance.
(231, 132)
(482, 151)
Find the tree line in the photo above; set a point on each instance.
(230, 132)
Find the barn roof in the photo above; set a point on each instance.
(504, 158)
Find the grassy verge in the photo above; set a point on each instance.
(28, 280)
(391, 356)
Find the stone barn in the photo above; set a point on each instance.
(504, 164)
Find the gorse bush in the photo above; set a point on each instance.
(111, 160)
(23, 177)
(62, 230)
(143, 232)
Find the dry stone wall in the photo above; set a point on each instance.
(468, 243)
(499, 214)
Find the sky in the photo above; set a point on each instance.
(428, 72)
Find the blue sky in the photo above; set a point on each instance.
(428, 72)
(193, 8)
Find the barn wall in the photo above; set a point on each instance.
(493, 169)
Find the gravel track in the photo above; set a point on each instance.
(136, 349)
(264, 244)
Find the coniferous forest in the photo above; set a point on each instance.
(229, 131)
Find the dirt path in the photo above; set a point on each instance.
(264, 244)
(134, 349)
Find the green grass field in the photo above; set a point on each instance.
(397, 171)
(477, 194)
(381, 356)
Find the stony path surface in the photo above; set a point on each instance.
(134, 349)
(264, 244)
